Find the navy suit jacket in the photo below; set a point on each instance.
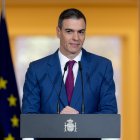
(43, 82)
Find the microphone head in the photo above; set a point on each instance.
(80, 66)
(66, 65)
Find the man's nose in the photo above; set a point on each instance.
(75, 36)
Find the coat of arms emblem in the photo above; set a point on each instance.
(70, 126)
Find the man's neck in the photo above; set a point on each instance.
(70, 56)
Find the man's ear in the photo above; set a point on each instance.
(58, 31)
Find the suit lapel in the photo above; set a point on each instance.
(77, 94)
(55, 76)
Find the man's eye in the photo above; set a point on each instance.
(82, 32)
(68, 31)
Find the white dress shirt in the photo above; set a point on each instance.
(63, 60)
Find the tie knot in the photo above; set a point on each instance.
(70, 64)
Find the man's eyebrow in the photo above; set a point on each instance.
(69, 29)
(82, 30)
(74, 30)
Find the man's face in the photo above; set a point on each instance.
(72, 36)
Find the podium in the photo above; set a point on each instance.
(70, 126)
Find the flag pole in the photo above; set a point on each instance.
(3, 8)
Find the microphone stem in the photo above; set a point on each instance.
(83, 106)
(58, 103)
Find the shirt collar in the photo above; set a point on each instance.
(64, 59)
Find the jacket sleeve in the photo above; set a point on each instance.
(31, 92)
(108, 103)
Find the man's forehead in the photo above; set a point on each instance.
(75, 24)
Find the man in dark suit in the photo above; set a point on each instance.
(88, 78)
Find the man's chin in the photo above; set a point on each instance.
(75, 52)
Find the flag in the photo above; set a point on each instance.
(9, 97)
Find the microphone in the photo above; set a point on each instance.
(83, 105)
(58, 103)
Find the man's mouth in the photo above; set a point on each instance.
(74, 44)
